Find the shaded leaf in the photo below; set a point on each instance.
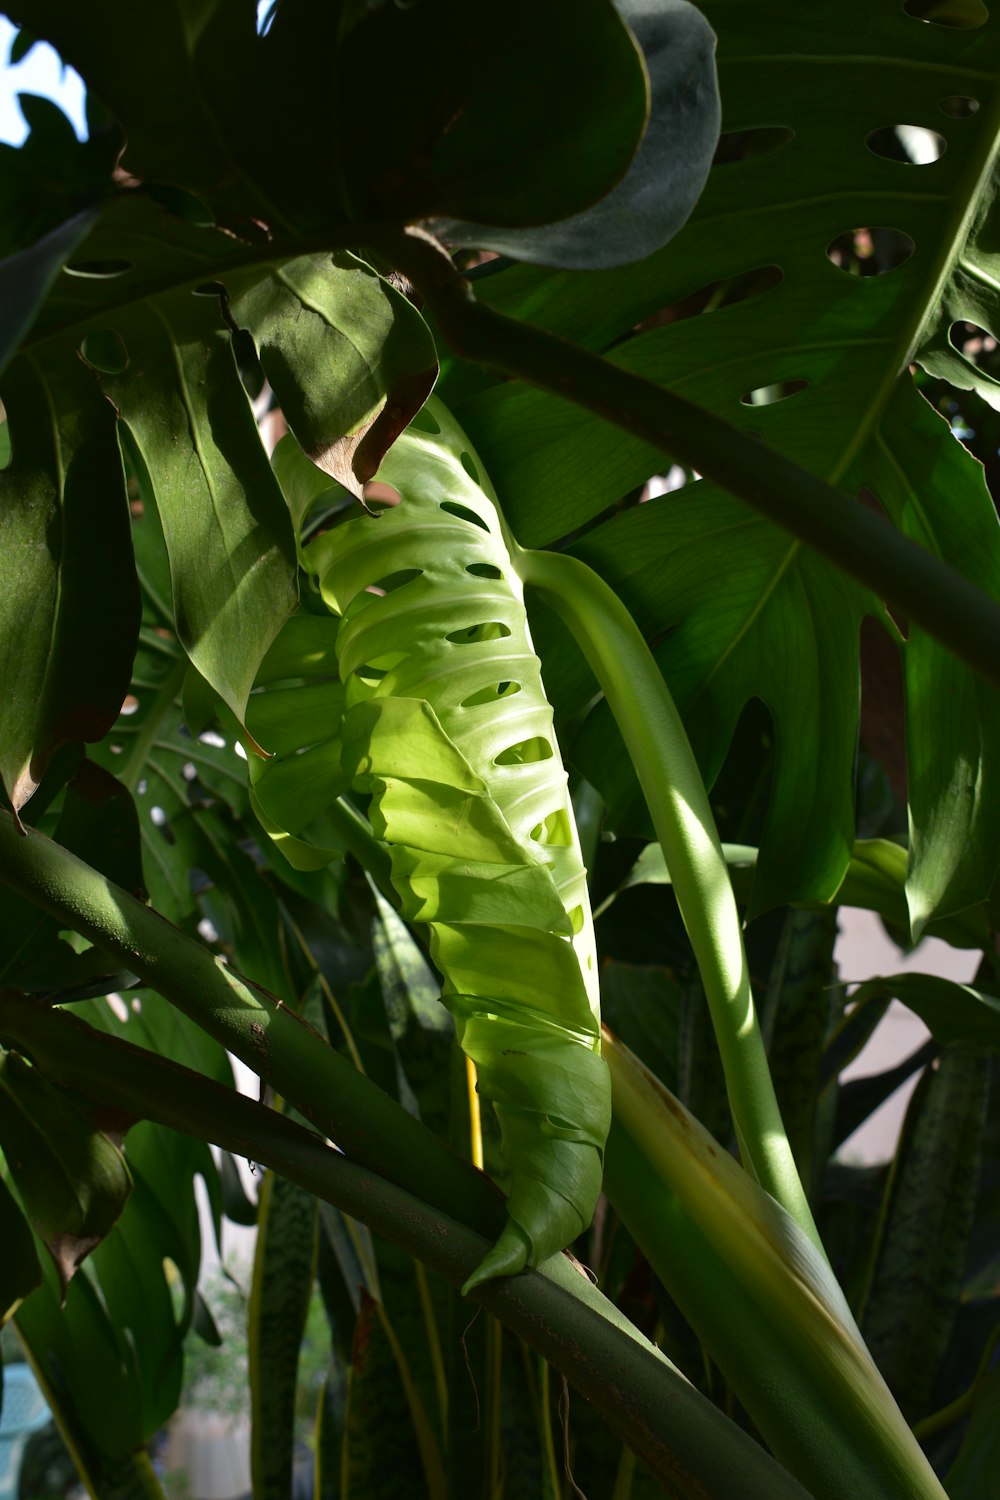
(20, 1272)
(224, 522)
(71, 1179)
(284, 1271)
(975, 1474)
(582, 103)
(25, 278)
(662, 184)
(921, 1253)
(951, 1012)
(754, 314)
(349, 359)
(69, 610)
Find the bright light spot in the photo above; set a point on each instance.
(209, 737)
(40, 72)
(158, 816)
(207, 931)
(240, 750)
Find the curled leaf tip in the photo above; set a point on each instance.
(510, 1254)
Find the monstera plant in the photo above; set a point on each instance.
(331, 705)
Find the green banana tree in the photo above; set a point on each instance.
(299, 745)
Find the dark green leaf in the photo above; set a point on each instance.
(68, 601)
(925, 1230)
(747, 300)
(459, 149)
(72, 1180)
(975, 1474)
(668, 172)
(26, 278)
(801, 1002)
(227, 532)
(951, 1012)
(284, 1270)
(348, 357)
(20, 1272)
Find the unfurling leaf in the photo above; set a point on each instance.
(446, 727)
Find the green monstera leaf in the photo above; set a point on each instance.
(767, 310)
(442, 721)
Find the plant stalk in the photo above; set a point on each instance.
(675, 794)
(694, 1452)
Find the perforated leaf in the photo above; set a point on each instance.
(447, 729)
(790, 344)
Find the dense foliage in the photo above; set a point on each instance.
(297, 744)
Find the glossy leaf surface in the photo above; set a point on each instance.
(791, 346)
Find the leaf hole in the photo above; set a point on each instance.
(716, 295)
(484, 570)
(425, 421)
(369, 675)
(469, 465)
(394, 581)
(381, 496)
(104, 350)
(463, 513)
(870, 251)
(959, 106)
(130, 706)
(912, 145)
(554, 831)
(98, 269)
(159, 820)
(209, 289)
(770, 395)
(977, 345)
(491, 694)
(525, 752)
(740, 145)
(960, 15)
(489, 630)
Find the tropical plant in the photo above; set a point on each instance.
(296, 748)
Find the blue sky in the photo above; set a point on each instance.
(40, 73)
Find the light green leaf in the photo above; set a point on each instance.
(448, 730)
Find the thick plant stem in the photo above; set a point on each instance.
(668, 774)
(921, 587)
(255, 1026)
(692, 1450)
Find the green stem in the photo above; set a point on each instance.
(918, 585)
(689, 1447)
(145, 738)
(668, 774)
(956, 1411)
(260, 1030)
